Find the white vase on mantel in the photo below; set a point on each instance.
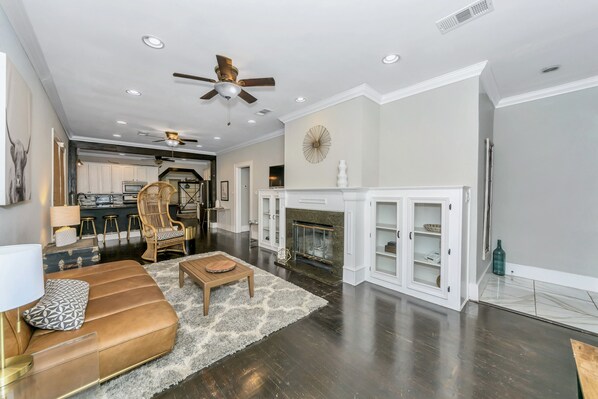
(342, 180)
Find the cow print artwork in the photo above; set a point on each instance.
(15, 158)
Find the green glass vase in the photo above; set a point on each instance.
(498, 260)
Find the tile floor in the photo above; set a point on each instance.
(565, 305)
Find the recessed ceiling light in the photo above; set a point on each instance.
(199, 145)
(117, 135)
(216, 138)
(122, 154)
(143, 133)
(133, 92)
(300, 99)
(251, 122)
(551, 68)
(152, 41)
(121, 122)
(391, 59)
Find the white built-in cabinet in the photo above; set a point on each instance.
(105, 178)
(271, 220)
(410, 258)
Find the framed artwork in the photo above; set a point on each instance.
(224, 190)
(15, 128)
(487, 238)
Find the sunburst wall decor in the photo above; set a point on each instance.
(316, 144)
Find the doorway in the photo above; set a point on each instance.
(242, 195)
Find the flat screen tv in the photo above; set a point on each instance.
(276, 176)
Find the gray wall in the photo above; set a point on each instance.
(29, 221)
(486, 130)
(546, 182)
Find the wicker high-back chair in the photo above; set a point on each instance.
(160, 231)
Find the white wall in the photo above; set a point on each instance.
(262, 156)
(353, 129)
(29, 222)
(546, 182)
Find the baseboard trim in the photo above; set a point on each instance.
(578, 281)
(354, 276)
(476, 289)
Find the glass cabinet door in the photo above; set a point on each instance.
(265, 219)
(427, 253)
(276, 221)
(386, 242)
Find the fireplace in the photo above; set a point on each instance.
(315, 240)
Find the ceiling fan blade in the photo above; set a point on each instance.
(189, 140)
(184, 75)
(157, 141)
(257, 82)
(247, 97)
(225, 65)
(209, 95)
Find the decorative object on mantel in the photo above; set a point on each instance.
(63, 217)
(498, 260)
(221, 266)
(15, 143)
(21, 282)
(316, 144)
(341, 179)
(433, 228)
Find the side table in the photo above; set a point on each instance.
(84, 252)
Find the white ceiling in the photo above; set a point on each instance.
(93, 52)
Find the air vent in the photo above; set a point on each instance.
(263, 112)
(464, 15)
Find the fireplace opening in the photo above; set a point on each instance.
(313, 244)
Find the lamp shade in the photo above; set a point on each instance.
(21, 275)
(61, 216)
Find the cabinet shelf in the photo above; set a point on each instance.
(386, 226)
(421, 258)
(380, 251)
(423, 231)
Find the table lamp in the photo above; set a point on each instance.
(63, 217)
(21, 282)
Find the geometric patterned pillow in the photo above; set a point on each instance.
(62, 307)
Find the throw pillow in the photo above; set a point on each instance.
(62, 307)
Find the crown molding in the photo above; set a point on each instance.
(269, 136)
(357, 91)
(434, 83)
(131, 144)
(577, 85)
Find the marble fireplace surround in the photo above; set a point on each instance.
(349, 201)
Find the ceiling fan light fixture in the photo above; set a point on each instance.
(171, 142)
(391, 59)
(153, 42)
(227, 90)
(251, 121)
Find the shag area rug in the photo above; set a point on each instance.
(234, 321)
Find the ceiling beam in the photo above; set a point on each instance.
(117, 148)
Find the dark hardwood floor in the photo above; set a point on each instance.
(369, 342)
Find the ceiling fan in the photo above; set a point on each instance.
(160, 159)
(227, 85)
(172, 139)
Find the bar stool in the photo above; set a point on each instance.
(111, 219)
(85, 221)
(133, 218)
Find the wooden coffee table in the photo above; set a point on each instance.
(196, 269)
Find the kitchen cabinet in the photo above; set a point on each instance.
(94, 178)
(83, 178)
(128, 172)
(416, 239)
(141, 173)
(271, 220)
(117, 179)
(106, 178)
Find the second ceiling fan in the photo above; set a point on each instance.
(227, 85)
